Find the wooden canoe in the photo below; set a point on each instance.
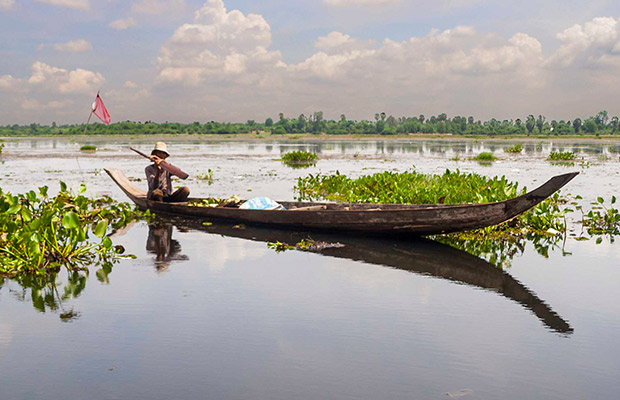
(419, 219)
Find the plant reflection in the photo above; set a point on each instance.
(47, 292)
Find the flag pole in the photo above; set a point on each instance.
(89, 116)
(86, 127)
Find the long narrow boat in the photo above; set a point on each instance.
(420, 219)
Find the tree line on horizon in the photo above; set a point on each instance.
(599, 124)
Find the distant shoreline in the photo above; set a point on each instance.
(321, 137)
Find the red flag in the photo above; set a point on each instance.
(100, 111)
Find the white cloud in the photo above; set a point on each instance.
(74, 46)
(158, 6)
(339, 42)
(130, 85)
(6, 4)
(57, 79)
(592, 43)
(75, 4)
(122, 24)
(8, 82)
(358, 3)
(34, 104)
(222, 44)
(452, 53)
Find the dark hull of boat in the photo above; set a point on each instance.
(422, 219)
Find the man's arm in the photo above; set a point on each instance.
(161, 163)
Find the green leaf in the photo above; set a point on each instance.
(600, 200)
(101, 228)
(63, 186)
(613, 199)
(106, 242)
(70, 220)
(26, 215)
(14, 209)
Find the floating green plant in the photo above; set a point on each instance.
(409, 187)
(485, 156)
(41, 234)
(603, 220)
(88, 147)
(207, 176)
(517, 148)
(299, 159)
(561, 156)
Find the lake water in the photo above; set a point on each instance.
(212, 312)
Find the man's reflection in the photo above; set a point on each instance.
(160, 243)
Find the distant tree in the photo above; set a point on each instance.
(614, 124)
(301, 123)
(518, 122)
(442, 117)
(577, 124)
(540, 122)
(421, 118)
(391, 121)
(590, 125)
(470, 120)
(317, 122)
(281, 116)
(379, 126)
(530, 123)
(383, 116)
(601, 118)
(278, 130)
(268, 122)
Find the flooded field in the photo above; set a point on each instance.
(214, 312)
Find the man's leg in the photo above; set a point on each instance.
(180, 195)
(156, 195)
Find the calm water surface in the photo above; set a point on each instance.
(212, 312)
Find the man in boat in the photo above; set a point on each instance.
(158, 177)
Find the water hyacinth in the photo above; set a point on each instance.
(409, 187)
(299, 159)
(42, 233)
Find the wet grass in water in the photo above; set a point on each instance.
(88, 147)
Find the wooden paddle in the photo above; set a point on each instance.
(165, 165)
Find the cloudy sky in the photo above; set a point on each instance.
(234, 60)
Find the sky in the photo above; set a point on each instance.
(239, 60)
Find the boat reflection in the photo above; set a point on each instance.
(420, 256)
(416, 255)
